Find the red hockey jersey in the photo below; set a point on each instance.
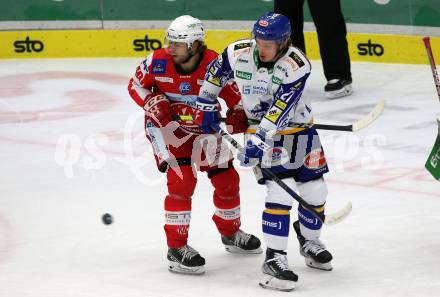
(158, 72)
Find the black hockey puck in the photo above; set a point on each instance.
(107, 219)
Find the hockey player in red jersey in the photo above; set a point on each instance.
(166, 85)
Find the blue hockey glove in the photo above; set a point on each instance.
(253, 153)
(207, 115)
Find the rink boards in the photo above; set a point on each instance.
(382, 48)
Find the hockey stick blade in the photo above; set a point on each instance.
(338, 216)
(330, 219)
(360, 124)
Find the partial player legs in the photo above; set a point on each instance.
(227, 213)
(308, 228)
(181, 183)
(276, 224)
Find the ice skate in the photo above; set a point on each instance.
(314, 251)
(242, 243)
(276, 272)
(337, 88)
(185, 260)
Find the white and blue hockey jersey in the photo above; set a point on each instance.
(271, 92)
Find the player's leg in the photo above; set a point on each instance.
(313, 190)
(276, 224)
(181, 182)
(227, 214)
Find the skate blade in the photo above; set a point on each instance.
(321, 266)
(345, 91)
(236, 250)
(273, 283)
(182, 269)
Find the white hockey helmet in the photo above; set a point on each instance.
(185, 29)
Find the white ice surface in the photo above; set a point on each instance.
(52, 240)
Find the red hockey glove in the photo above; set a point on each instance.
(236, 120)
(158, 109)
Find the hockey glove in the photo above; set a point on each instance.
(207, 115)
(253, 153)
(158, 109)
(236, 120)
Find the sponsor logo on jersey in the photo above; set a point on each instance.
(158, 66)
(291, 63)
(146, 44)
(280, 104)
(276, 80)
(263, 23)
(315, 159)
(240, 51)
(241, 60)
(208, 95)
(243, 74)
(273, 114)
(246, 90)
(215, 80)
(243, 45)
(185, 88)
(370, 49)
(260, 90)
(28, 46)
(164, 79)
(144, 63)
(297, 59)
(277, 156)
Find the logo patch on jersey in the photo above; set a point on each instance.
(280, 104)
(159, 66)
(297, 59)
(276, 80)
(263, 23)
(164, 79)
(243, 74)
(145, 66)
(273, 114)
(242, 45)
(315, 159)
(215, 80)
(260, 90)
(246, 90)
(184, 88)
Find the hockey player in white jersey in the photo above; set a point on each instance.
(271, 76)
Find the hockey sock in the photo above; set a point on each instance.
(226, 201)
(310, 226)
(181, 184)
(276, 224)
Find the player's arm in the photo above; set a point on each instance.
(218, 73)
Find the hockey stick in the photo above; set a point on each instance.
(329, 219)
(427, 42)
(360, 124)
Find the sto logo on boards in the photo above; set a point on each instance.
(146, 44)
(370, 49)
(28, 46)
